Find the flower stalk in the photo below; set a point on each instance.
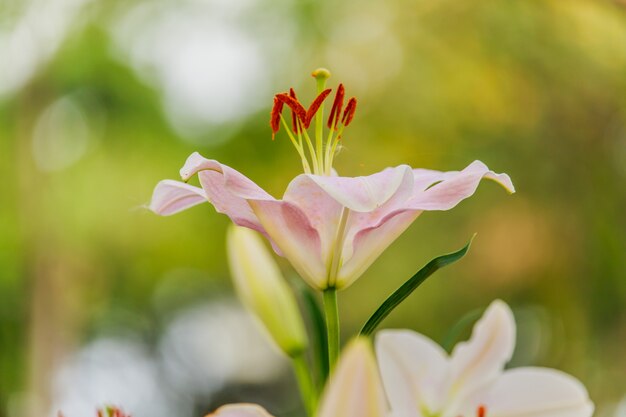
(305, 384)
(331, 310)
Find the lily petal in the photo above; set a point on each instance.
(227, 189)
(413, 370)
(365, 194)
(354, 389)
(234, 181)
(369, 243)
(290, 230)
(307, 226)
(322, 211)
(240, 410)
(371, 233)
(170, 197)
(454, 187)
(537, 392)
(481, 359)
(248, 205)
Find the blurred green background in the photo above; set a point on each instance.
(101, 300)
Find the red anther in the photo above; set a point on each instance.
(314, 107)
(294, 105)
(348, 113)
(481, 411)
(277, 109)
(294, 120)
(333, 119)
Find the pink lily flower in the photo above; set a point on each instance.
(330, 228)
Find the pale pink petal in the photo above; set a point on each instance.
(170, 197)
(228, 191)
(322, 199)
(369, 243)
(322, 211)
(283, 223)
(365, 194)
(424, 178)
(240, 410)
(290, 230)
(234, 181)
(536, 392)
(371, 233)
(413, 369)
(354, 388)
(454, 187)
(481, 359)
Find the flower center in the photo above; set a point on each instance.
(322, 152)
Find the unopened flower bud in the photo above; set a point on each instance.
(263, 290)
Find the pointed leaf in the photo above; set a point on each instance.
(409, 286)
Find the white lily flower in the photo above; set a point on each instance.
(422, 380)
(354, 389)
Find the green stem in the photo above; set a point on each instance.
(332, 324)
(307, 391)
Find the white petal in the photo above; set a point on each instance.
(240, 410)
(537, 392)
(413, 369)
(354, 389)
(482, 358)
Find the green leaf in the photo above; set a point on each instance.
(408, 287)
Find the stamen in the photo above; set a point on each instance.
(348, 114)
(481, 411)
(294, 122)
(333, 119)
(314, 107)
(277, 109)
(294, 105)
